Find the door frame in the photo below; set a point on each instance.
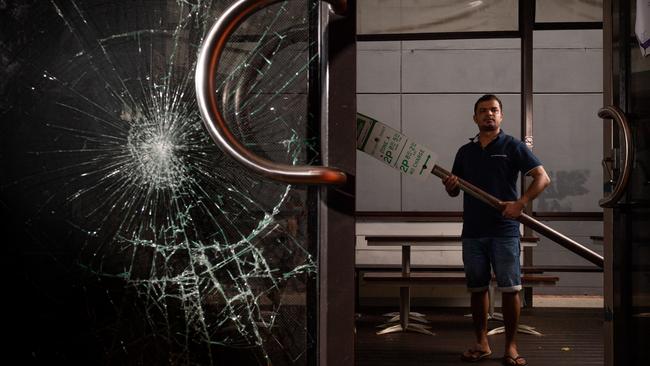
(336, 204)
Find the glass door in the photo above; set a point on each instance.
(627, 238)
(132, 238)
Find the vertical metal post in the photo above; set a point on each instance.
(526, 23)
(608, 217)
(336, 207)
(619, 349)
(313, 192)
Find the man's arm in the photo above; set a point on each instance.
(513, 209)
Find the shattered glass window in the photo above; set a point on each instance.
(133, 240)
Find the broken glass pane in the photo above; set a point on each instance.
(139, 241)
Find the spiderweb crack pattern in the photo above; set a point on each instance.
(211, 251)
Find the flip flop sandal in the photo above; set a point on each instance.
(510, 361)
(474, 355)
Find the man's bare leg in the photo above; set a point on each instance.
(480, 306)
(511, 306)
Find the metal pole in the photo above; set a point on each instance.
(548, 232)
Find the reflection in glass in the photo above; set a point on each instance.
(179, 256)
(417, 16)
(568, 11)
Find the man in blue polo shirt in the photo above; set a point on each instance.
(492, 161)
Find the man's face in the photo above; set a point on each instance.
(488, 116)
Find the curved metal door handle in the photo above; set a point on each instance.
(621, 185)
(206, 68)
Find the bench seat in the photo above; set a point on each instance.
(394, 278)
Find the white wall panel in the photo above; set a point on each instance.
(379, 46)
(568, 140)
(444, 123)
(378, 185)
(568, 61)
(582, 38)
(567, 70)
(481, 69)
(495, 44)
(378, 67)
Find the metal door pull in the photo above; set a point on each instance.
(206, 69)
(627, 153)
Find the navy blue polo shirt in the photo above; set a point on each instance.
(494, 169)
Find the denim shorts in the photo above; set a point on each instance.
(501, 254)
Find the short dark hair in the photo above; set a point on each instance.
(487, 97)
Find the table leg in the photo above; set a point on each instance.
(404, 292)
(521, 328)
(405, 302)
(404, 306)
